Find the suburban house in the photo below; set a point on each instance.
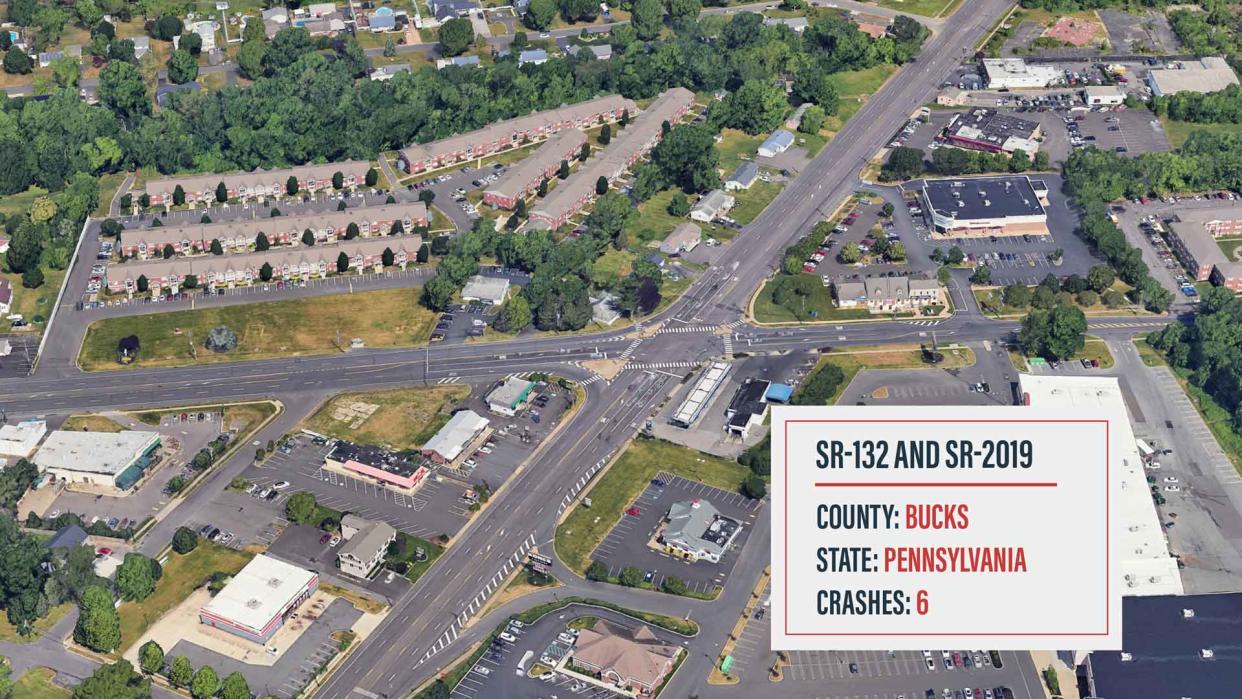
(510, 133)
(287, 263)
(684, 238)
(695, 530)
(743, 177)
(142, 46)
(525, 177)
(613, 160)
(206, 30)
(712, 206)
(888, 294)
(601, 52)
(442, 63)
(510, 396)
(390, 71)
(458, 437)
(633, 660)
(492, 290)
(239, 236)
(366, 545)
(795, 119)
(532, 57)
(6, 296)
(260, 183)
(777, 143)
(798, 24)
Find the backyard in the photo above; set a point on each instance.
(399, 419)
(579, 534)
(35, 305)
(386, 318)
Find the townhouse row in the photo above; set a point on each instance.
(293, 264)
(525, 177)
(614, 160)
(240, 236)
(511, 133)
(260, 183)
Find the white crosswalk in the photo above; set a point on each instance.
(449, 379)
(728, 346)
(662, 365)
(923, 323)
(735, 323)
(590, 380)
(687, 329)
(1124, 325)
(625, 353)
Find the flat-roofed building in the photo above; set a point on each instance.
(20, 440)
(985, 206)
(243, 269)
(457, 438)
(988, 130)
(492, 290)
(1211, 74)
(258, 600)
(510, 396)
(700, 395)
(109, 461)
(612, 161)
(366, 545)
(1219, 221)
(525, 177)
(385, 466)
(1017, 73)
(695, 530)
(1103, 95)
(257, 184)
(748, 408)
(1146, 564)
(240, 235)
(1195, 248)
(511, 133)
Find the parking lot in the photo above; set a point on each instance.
(22, 349)
(889, 674)
(626, 543)
(1146, 227)
(1130, 131)
(303, 546)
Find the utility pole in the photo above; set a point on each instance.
(193, 350)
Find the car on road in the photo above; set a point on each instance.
(633, 511)
(1172, 489)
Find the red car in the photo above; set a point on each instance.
(633, 512)
(325, 539)
(105, 551)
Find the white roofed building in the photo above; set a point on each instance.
(19, 441)
(108, 461)
(256, 602)
(463, 430)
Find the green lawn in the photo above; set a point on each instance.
(8, 633)
(581, 532)
(820, 303)
(855, 359)
(404, 419)
(1178, 131)
(654, 222)
(182, 574)
(1217, 417)
(35, 304)
(1095, 349)
(20, 203)
(1229, 246)
(385, 318)
(751, 202)
(612, 266)
(408, 545)
(736, 146)
(862, 83)
(37, 684)
(926, 8)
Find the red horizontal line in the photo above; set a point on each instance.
(933, 484)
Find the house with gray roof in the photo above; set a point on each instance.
(777, 143)
(366, 548)
(743, 177)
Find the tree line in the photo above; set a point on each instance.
(1208, 352)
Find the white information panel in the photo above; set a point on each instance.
(905, 528)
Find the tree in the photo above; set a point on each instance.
(514, 315)
(291, 185)
(982, 275)
(1053, 334)
(6, 678)
(1088, 298)
(812, 119)
(17, 62)
(114, 681)
(122, 90)
(136, 577)
(191, 42)
(955, 256)
(1017, 295)
(601, 185)
(143, 284)
(181, 671)
(32, 278)
(597, 572)
(308, 237)
(647, 18)
(234, 686)
(1019, 161)
(542, 191)
(814, 85)
(216, 248)
(563, 171)
(850, 254)
(168, 27)
(674, 585)
(342, 263)
(182, 67)
(1100, 278)
(111, 227)
(205, 683)
(456, 35)
(99, 626)
(903, 163)
(887, 210)
(1043, 297)
(758, 106)
(265, 272)
(539, 14)
(151, 657)
(251, 56)
(302, 508)
(184, 540)
(584, 152)
(178, 196)
(679, 205)
(66, 71)
(261, 243)
(372, 177)
(605, 134)
(611, 214)
(631, 576)
(426, 196)
(753, 487)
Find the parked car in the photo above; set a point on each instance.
(281, 485)
(633, 511)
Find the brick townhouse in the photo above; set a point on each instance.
(1219, 221)
(239, 236)
(524, 178)
(503, 135)
(260, 183)
(629, 145)
(288, 264)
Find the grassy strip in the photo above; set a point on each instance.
(92, 423)
(856, 359)
(37, 684)
(9, 633)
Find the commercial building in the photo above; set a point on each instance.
(387, 467)
(458, 437)
(712, 206)
(1172, 647)
(1103, 95)
(366, 545)
(287, 264)
(240, 235)
(1011, 73)
(111, 461)
(525, 177)
(492, 290)
(986, 206)
(1211, 74)
(1196, 249)
(510, 396)
(777, 143)
(701, 394)
(258, 600)
(684, 238)
(633, 660)
(1219, 221)
(888, 294)
(511, 133)
(988, 130)
(743, 177)
(613, 160)
(696, 531)
(1146, 565)
(20, 440)
(748, 408)
(257, 184)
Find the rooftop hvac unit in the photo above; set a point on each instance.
(987, 202)
(274, 582)
(1207, 654)
(253, 603)
(1127, 657)
(1188, 613)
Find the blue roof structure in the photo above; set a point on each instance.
(778, 393)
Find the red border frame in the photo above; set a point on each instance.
(1108, 596)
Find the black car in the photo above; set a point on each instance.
(853, 668)
(215, 531)
(272, 495)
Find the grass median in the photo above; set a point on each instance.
(294, 327)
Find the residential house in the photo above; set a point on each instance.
(743, 177)
(604, 310)
(457, 61)
(206, 31)
(46, 57)
(777, 143)
(366, 545)
(613, 160)
(888, 294)
(167, 90)
(142, 46)
(601, 52)
(525, 177)
(257, 184)
(631, 659)
(382, 21)
(798, 24)
(240, 235)
(712, 206)
(388, 72)
(533, 57)
(510, 133)
(684, 238)
(6, 297)
(795, 119)
(873, 26)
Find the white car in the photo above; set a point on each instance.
(1172, 489)
(1171, 479)
(281, 485)
(507, 637)
(482, 670)
(470, 463)
(927, 654)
